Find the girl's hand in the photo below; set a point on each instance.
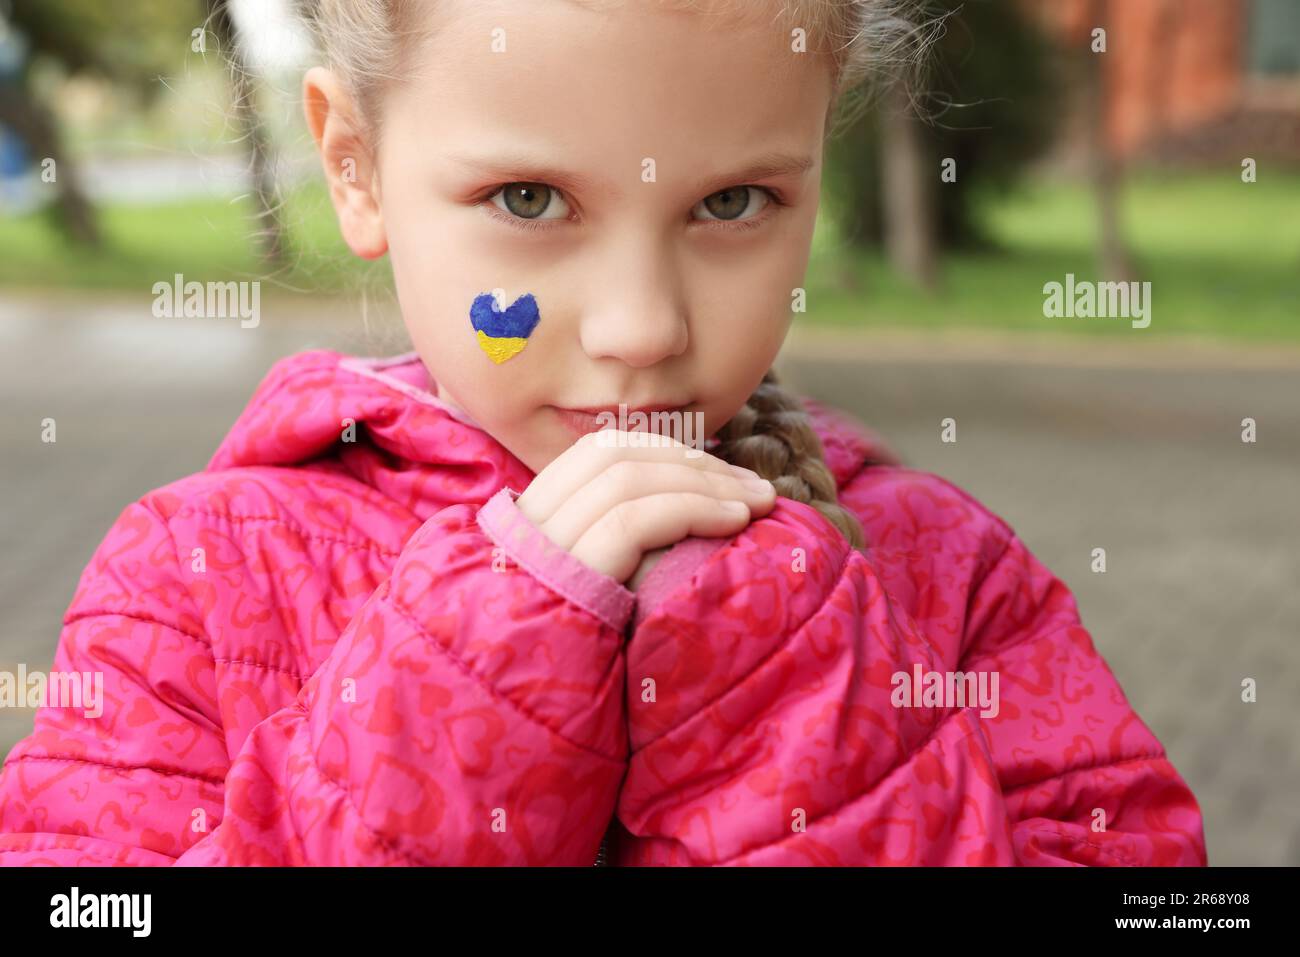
(608, 502)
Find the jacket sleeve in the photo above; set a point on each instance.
(766, 726)
(761, 725)
(469, 714)
(1084, 779)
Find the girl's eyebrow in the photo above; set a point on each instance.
(766, 166)
(522, 167)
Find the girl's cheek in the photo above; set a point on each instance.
(751, 308)
(491, 346)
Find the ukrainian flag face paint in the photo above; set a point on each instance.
(503, 335)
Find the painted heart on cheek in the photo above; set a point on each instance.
(503, 335)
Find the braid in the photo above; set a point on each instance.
(773, 435)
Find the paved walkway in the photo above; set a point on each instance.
(1135, 451)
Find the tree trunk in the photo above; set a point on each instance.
(35, 124)
(261, 158)
(262, 170)
(1105, 167)
(908, 176)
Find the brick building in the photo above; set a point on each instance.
(1194, 81)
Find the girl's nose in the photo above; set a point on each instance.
(637, 316)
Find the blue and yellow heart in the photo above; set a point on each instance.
(503, 335)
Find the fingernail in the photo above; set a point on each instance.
(741, 470)
(757, 484)
(736, 507)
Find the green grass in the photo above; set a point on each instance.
(1223, 258)
(202, 239)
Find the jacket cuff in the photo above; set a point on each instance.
(529, 548)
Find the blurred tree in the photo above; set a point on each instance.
(987, 100)
(1095, 82)
(129, 44)
(243, 95)
(907, 190)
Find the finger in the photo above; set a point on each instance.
(597, 451)
(628, 479)
(617, 541)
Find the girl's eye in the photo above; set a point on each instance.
(734, 203)
(529, 200)
(527, 205)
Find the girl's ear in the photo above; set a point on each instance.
(349, 164)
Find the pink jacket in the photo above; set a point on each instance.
(343, 644)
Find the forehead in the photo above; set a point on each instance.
(788, 12)
(653, 74)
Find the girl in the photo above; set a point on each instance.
(417, 611)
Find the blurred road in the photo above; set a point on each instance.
(1137, 451)
(160, 178)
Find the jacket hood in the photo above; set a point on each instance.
(382, 420)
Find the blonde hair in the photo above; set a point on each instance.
(867, 42)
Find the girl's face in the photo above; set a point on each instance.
(666, 171)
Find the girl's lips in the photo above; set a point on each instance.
(582, 421)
